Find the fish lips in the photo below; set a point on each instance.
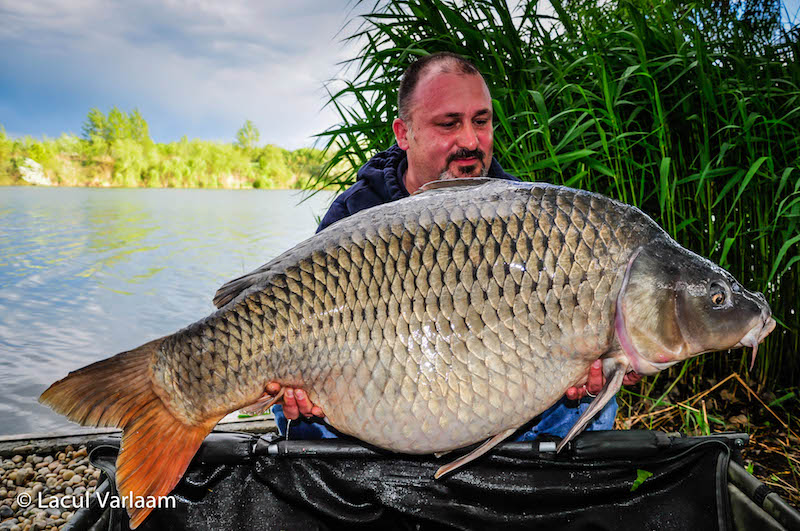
(760, 330)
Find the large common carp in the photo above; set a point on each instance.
(425, 325)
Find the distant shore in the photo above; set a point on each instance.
(194, 164)
(116, 150)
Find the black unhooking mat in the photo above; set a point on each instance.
(612, 480)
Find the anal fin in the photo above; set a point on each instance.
(262, 404)
(477, 452)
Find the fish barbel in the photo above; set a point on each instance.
(424, 325)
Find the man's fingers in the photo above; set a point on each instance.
(303, 403)
(296, 403)
(290, 409)
(594, 384)
(576, 393)
(631, 378)
(273, 388)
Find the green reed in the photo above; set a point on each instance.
(690, 111)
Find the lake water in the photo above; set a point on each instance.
(87, 273)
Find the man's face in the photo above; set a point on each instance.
(449, 133)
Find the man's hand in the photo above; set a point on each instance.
(295, 402)
(595, 381)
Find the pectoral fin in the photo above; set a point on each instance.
(477, 452)
(614, 378)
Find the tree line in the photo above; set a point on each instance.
(115, 149)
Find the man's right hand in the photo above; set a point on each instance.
(295, 402)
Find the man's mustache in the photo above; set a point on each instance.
(466, 154)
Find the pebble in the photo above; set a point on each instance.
(67, 473)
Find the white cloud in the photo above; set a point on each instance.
(199, 68)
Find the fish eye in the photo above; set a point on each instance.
(717, 293)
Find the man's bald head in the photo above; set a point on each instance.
(441, 62)
(445, 120)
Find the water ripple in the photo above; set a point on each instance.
(87, 273)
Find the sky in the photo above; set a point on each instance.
(196, 68)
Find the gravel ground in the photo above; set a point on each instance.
(54, 484)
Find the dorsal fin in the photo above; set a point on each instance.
(450, 183)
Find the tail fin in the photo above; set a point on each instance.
(118, 392)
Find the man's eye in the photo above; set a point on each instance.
(447, 124)
(481, 122)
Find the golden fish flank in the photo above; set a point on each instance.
(422, 326)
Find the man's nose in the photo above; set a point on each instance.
(468, 137)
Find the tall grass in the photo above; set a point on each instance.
(690, 111)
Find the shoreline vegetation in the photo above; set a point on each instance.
(115, 150)
(689, 111)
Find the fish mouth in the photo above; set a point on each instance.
(764, 325)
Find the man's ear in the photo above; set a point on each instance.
(401, 129)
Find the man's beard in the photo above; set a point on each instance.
(466, 171)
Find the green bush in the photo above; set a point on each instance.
(116, 151)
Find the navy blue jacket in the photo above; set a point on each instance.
(381, 181)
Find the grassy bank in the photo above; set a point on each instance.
(133, 160)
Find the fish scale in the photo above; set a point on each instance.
(424, 328)
(442, 320)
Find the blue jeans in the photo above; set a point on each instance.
(555, 421)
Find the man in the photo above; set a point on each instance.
(443, 131)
